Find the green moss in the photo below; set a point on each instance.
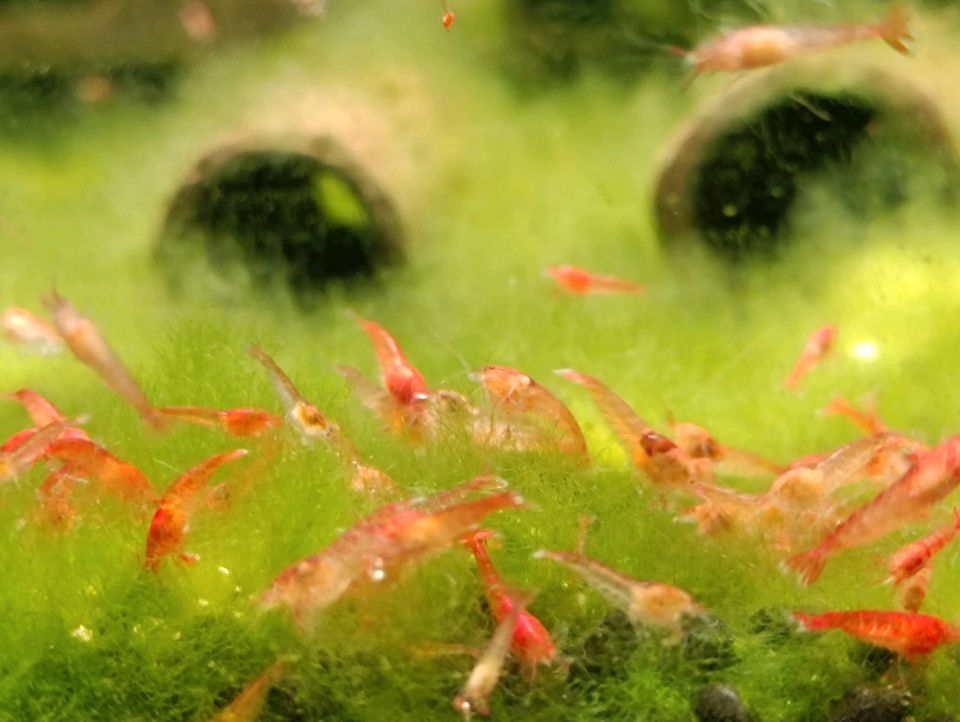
(502, 189)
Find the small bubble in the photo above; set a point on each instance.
(82, 633)
(730, 210)
(203, 603)
(224, 571)
(177, 636)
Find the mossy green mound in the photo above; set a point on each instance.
(498, 188)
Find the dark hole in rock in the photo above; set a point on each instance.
(304, 217)
(748, 181)
(785, 152)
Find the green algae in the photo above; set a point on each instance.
(502, 187)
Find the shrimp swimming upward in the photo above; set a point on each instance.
(483, 679)
(248, 705)
(169, 523)
(24, 328)
(759, 46)
(404, 382)
(913, 557)
(375, 547)
(658, 457)
(306, 418)
(817, 346)
(934, 475)
(580, 282)
(627, 426)
(531, 645)
(236, 422)
(91, 348)
(908, 634)
(646, 603)
(312, 425)
(448, 16)
(519, 395)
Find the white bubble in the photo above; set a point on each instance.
(82, 633)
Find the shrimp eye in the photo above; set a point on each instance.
(267, 215)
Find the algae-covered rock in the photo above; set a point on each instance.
(874, 704)
(720, 703)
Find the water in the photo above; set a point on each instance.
(496, 168)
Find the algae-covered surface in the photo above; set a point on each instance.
(493, 182)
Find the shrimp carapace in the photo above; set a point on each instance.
(909, 634)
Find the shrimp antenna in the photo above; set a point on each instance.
(467, 368)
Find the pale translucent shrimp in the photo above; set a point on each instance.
(308, 420)
(517, 394)
(760, 46)
(908, 499)
(91, 348)
(378, 546)
(475, 695)
(30, 331)
(646, 603)
(627, 426)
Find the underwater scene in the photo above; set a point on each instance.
(522, 359)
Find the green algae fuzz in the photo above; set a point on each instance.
(492, 187)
